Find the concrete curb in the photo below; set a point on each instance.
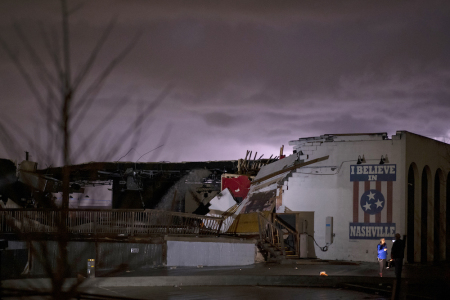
(219, 280)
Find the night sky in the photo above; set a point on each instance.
(240, 75)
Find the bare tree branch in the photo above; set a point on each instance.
(51, 45)
(97, 129)
(88, 97)
(137, 133)
(25, 75)
(162, 140)
(53, 132)
(20, 132)
(35, 58)
(138, 122)
(9, 144)
(125, 155)
(76, 7)
(63, 104)
(94, 53)
(66, 47)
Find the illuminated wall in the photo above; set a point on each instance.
(369, 200)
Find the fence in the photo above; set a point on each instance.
(270, 233)
(229, 217)
(291, 238)
(103, 222)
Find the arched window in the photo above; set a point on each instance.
(447, 217)
(438, 181)
(410, 210)
(424, 214)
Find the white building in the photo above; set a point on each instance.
(372, 186)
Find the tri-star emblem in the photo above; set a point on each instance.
(372, 202)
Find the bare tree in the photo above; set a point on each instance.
(63, 96)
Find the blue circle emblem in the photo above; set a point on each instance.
(372, 202)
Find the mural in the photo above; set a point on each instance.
(372, 201)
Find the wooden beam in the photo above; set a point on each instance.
(290, 169)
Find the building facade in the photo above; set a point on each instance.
(372, 187)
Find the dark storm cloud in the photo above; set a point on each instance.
(346, 124)
(308, 54)
(221, 119)
(257, 72)
(293, 62)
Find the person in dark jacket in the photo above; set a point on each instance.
(397, 254)
(382, 255)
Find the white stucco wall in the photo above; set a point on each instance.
(210, 253)
(326, 189)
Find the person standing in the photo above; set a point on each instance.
(382, 255)
(397, 254)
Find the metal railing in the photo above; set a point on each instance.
(291, 237)
(229, 217)
(271, 234)
(127, 222)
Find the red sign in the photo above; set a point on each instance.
(238, 186)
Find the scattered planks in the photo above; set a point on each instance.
(251, 167)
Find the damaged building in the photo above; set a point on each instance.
(156, 211)
(183, 187)
(333, 198)
(346, 191)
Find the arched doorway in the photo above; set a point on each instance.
(424, 214)
(410, 213)
(438, 180)
(447, 218)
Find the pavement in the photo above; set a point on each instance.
(237, 292)
(302, 276)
